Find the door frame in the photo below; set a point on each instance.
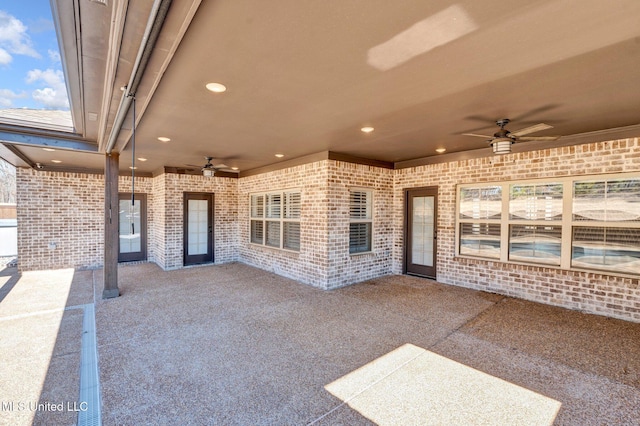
(430, 191)
(210, 255)
(142, 254)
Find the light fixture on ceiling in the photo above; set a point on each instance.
(142, 159)
(133, 168)
(367, 129)
(48, 149)
(279, 155)
(501, 145)
(163, 139)
(441, 150)
(234, 168)
(56, 161)
(216, 87)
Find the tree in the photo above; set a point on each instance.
(7, 182)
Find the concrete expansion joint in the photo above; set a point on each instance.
(470, 320)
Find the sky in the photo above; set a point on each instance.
(30, 69)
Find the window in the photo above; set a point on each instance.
(606, 225)
(275, 219)
(479, 214)
(361, 221)
(568, 222)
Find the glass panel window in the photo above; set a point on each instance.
(535, 201)
(612, 249)
(572, 222)
(480, 239)
(359, 237)
(275, 219)
(257, 206)
(361, 221)
(291, 236)
(257, 231)
(291, 205)
(360, 205)
(273, 234)
(607, 200)
(481, 202)
(535, 243)
(130, 226)
(274, 203)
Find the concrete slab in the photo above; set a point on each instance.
(40, 341)
(231, 344)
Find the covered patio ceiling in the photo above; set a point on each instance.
(305, 76)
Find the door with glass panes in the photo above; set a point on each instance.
(421, 233)
(132, 218)
(198, 228)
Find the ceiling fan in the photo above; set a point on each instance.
(502, 140)
(210, 169)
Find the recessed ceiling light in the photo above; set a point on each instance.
(367, 129)
(133, 168)
(163, 139)
(142, 159)
(48, 149)
(279, 155)
(216, 87)
(56, 161)
(234, 168)
(441, 150)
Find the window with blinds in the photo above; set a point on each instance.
(275, 219)
(570, 222)
(361, 221)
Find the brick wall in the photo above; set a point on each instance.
(67, 209)
(225, 218)
(345, 268)
(590, 292)
(61, 218)
(311, 263)
(324, 260)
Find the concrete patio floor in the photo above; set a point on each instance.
(232, 344)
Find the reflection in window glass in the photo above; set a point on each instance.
(539, 244)
(481, 203)
(612, 249)
(607, 201)
(480, 239)
(535, 201)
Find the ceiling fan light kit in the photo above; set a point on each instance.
(501, 145)
(502, 140)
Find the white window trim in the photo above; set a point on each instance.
(281, 220)
(567, 223)
(371, 200)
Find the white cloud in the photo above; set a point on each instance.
(5, 57)
(14, 38)
(7, 96)
(54, 92)
(54, 55)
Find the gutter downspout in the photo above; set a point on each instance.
(154, 25)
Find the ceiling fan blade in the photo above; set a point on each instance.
(220, 166)
(477, 135)
(538, 138)
(531, 129)
(535, 111)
